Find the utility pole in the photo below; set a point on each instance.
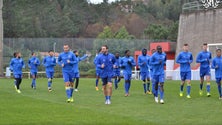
(1, 39)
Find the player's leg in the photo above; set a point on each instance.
(143, 78)
(34, 75)
(97, 79)
(48, 74)
(71, 86)
(104, 83)
(76, 81)
(161, 81)
(155, 86)
(67, 86)
(188, 78)
(109, 90)
(126, 84)
(208, 82)
(182, 76)
(218, 81)
(115, 81)
(201, 85)
(148, 83)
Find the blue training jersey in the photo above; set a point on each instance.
(49, 63)
(217, 65)
(117, 64)
(184, 59)
(16, 65)
(76, 65)
(63, 59)
(204, 59)
(33, 64)
(127, 64)
(143, 62)
(158, 61)
(108, 60)
(95, 61)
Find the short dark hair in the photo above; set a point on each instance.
(74, 51)
(33, 53)
(185, 44)
(126, 51)
(218, 50)
(105, 46)
(15, 54)
(205, 44)
(50, 51)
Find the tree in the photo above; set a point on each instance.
(157, 32)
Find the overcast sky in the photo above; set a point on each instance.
(99, 1)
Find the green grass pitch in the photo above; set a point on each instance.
(40, 107)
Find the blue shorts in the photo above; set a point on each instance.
(17, 75)
(76, 75)
(185, 75)
(98, 72)
(49, 74)
(205, 72)
(106, 80)
(158, 79)
(218, 80)
(67, 76)
(33, 73)
(116, 73)
(127, 76)
(144, 75)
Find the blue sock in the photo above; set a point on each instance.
(188, 89)
(68, 90)
(208, 87)
(201, 86)
(97, 81)
(15, 82)
(161, 94)
(219, 89)
(116, 82)
(148, 86)
(49, 84)
(106, 97)
(144, 87)
(153, 88)
(71, 91)
(33, 83)
(181, 88)
(129, 86)
(159, 90)
(126, 87)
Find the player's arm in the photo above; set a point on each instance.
(23, 64)
(83, 57)
(191, 58)
(214, 65)
(199, 58)
(180, 60)
(11, 65)
(60, 62)
(133, 63)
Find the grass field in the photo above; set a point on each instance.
(39, 107)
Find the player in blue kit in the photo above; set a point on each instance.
(76, 68)
(33, 64)
(106, 62)
(185, 58)
(127, 63)
(66, 60)
(16, 65)
(116, 70)
(143, 62)
(49, 63)
(217, 65)
(204, 58)
(98, 69)
(158, 61)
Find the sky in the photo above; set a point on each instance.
(99, 1)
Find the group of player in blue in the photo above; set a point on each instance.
(185, 59)
(108, 66)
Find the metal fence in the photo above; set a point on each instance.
(42, 45)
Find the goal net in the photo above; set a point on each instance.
(213, 47)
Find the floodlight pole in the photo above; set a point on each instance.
(1, 39)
